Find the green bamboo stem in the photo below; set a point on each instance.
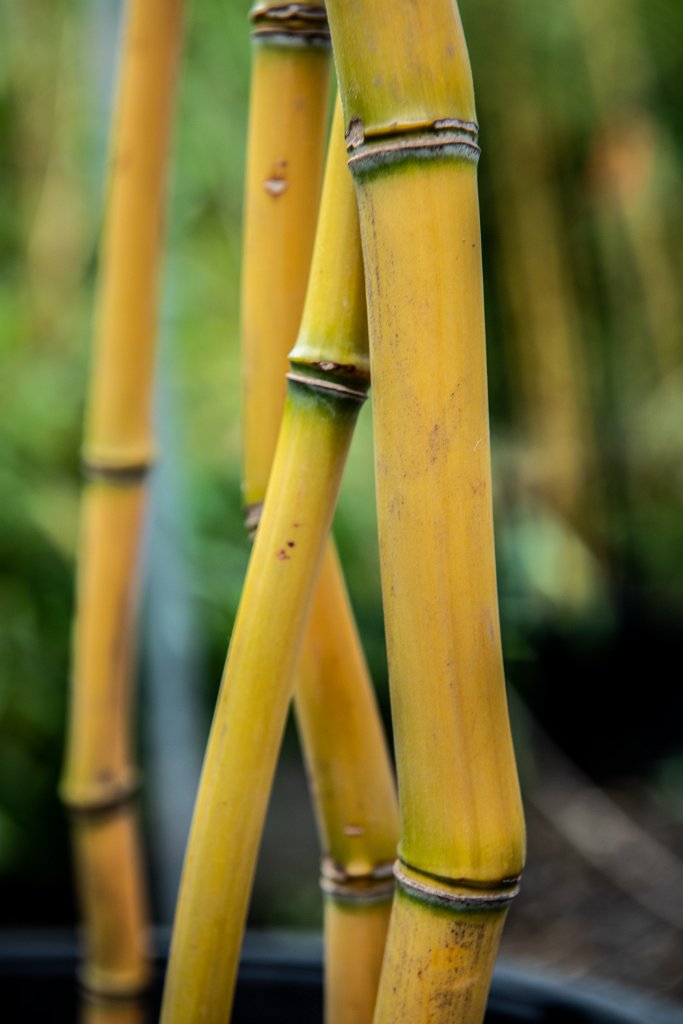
(322, 404)
(411, 131)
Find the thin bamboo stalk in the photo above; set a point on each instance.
(621, 74)
(348, 764)
(353, 786)
(406, 87)
(322, 404)
(551, 364)
(100, 779)
(551, 390)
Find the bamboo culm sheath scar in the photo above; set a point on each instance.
(320, 411)
(411, 132)
(100, 779)
(347, 759)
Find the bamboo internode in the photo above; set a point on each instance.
(100, 778)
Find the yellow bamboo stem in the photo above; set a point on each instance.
(100, 778)
(287, 126)
(320, 412)
(406, 87)
(353, 787)
(348, 763)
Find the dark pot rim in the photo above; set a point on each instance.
(289, 961)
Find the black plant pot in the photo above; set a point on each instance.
(281, 982)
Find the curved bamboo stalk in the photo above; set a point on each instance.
(100, 779)
(322, 404)
(348, 764)
(406, 87)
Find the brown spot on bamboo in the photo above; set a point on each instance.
(355, 133)
(276, 183)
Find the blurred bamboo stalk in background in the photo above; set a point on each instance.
(629, 158)
(348, 763)
(406, 87)
(327, 384)
(52, 203)
(553, 396)
(551, 384)
(100, 780)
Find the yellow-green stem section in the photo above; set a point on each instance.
(355, 937)
(349, 767)
(287, 122)
(436, 959)
(100, 777)
(252, 704)
(460, 804)
(413, 151)
(118, 429)
(99, 770)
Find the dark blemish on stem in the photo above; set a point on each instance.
(355, 133)
(290, 544)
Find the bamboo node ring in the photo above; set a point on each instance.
(121, 476)
(103, 801)
(461, 893)
(101, 992)
(377, 884)
(380, 152)
(328, 385)
(305, 22)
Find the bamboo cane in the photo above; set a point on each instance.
(406, 87)
(100, 779)
(287, 126)
(323, 400)
(348, 764)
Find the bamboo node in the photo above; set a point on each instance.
(305, 23)
(101, 989)
(320, 384)
(466, 894)
(118, 475)
(99, 800)
(252, 517)
(377, 884)
(384, 151)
